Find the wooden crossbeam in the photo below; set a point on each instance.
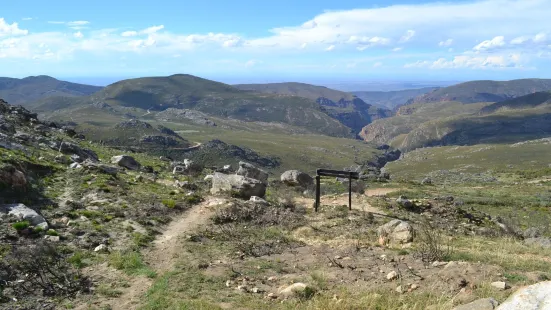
(339, 174)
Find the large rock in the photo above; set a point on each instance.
(395, 231)
(479, 304)
(293, 289)
(533, 297)
(25, 213)
(297, 178)
(11, 177)
(102, 168)
(71, 148)
(188, 167)
(237, 185)
(126, 161)
(250, 171)
(539, 241)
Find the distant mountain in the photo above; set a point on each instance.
(453, 123)
(391, 99)
(150, 95)
(346, 107)
(523, 102)
(485, 91)
(20, 91)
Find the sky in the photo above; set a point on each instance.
(287, 40)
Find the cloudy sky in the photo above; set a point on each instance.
(278, 40)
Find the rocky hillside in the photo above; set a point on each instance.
(140, 97)
(485, 91)
(523, 102)
(391, 99)
(347, 108)
(21, 91)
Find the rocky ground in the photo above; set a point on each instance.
(88, 227)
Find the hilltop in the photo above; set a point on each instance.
(134, 98)
(346, 107)
(485, 91)
(20, 91)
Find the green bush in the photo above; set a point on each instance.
(21, 225)
(169, 203)
(52, 232)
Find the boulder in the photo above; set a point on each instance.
(538, 241)
(293, 289)
(479, 304)
(532, 297)
(25, 213)
(426, 181)
(297, 178)
(404, 202)
(500, 285)
(395, 231)
(250, 171)
(237, 185)
(188, 167)
(258, 201)
(11, 177)
(71, 148)
(126, 161)
(102, 168)
(208, 178)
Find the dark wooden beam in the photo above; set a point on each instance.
(338, 173)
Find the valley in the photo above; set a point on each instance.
(179, 192)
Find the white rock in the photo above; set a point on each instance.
(500, 285)
(533, 297)
(258, 200)
(51, 238)
(101, 248)
(23, 212)
(293, 289)
(392, 275)
(479, 304)
(396, 231)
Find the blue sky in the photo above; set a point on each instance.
(258, 41)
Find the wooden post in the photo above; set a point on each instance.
(350, 191)
(317, 193)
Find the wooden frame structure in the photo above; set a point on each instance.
(339, 174)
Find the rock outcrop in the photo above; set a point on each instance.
(533, 297)
(126, 161)
(251, 171)
(237, 185)
(395, 231)
(297, 178)
(25, 213)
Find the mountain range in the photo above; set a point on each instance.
(465, 113)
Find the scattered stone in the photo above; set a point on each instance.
(532, 297)
(500, 285)
(400, 290)
(237, 185)
(111, 170)
(258, 200)
(426, 181)
(404, 202)
(51, 238)
(272, 296)
(439, 264)
(250, 171)
(256, 290)
(480, 304)
(395, 231)
(293, 289)
(392, 276)
(208, 178)
(126, 161)
(75, 166)
(22, 212)
(102, 248)
(539, 241)
(297, 178)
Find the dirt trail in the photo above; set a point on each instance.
(358, 201)
(165, 249)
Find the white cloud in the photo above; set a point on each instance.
(330, 48)
(520, 40)
(471, 62)
(447, 42)
(11, 29)
(540, 37)
(152, 29)
(397, 49)
(409, 34)
(78, 35)
(303, 46)
(26, 18)
(489, 44)
(377, 64)
(78, 23)
(129, 34)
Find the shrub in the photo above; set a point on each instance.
(432, 245)
(21, 225)
(169, 203)
(52, 232)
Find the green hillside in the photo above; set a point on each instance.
(485, 91)
(21, 91)
(532, 100)
(347, 108)
(137, 97)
